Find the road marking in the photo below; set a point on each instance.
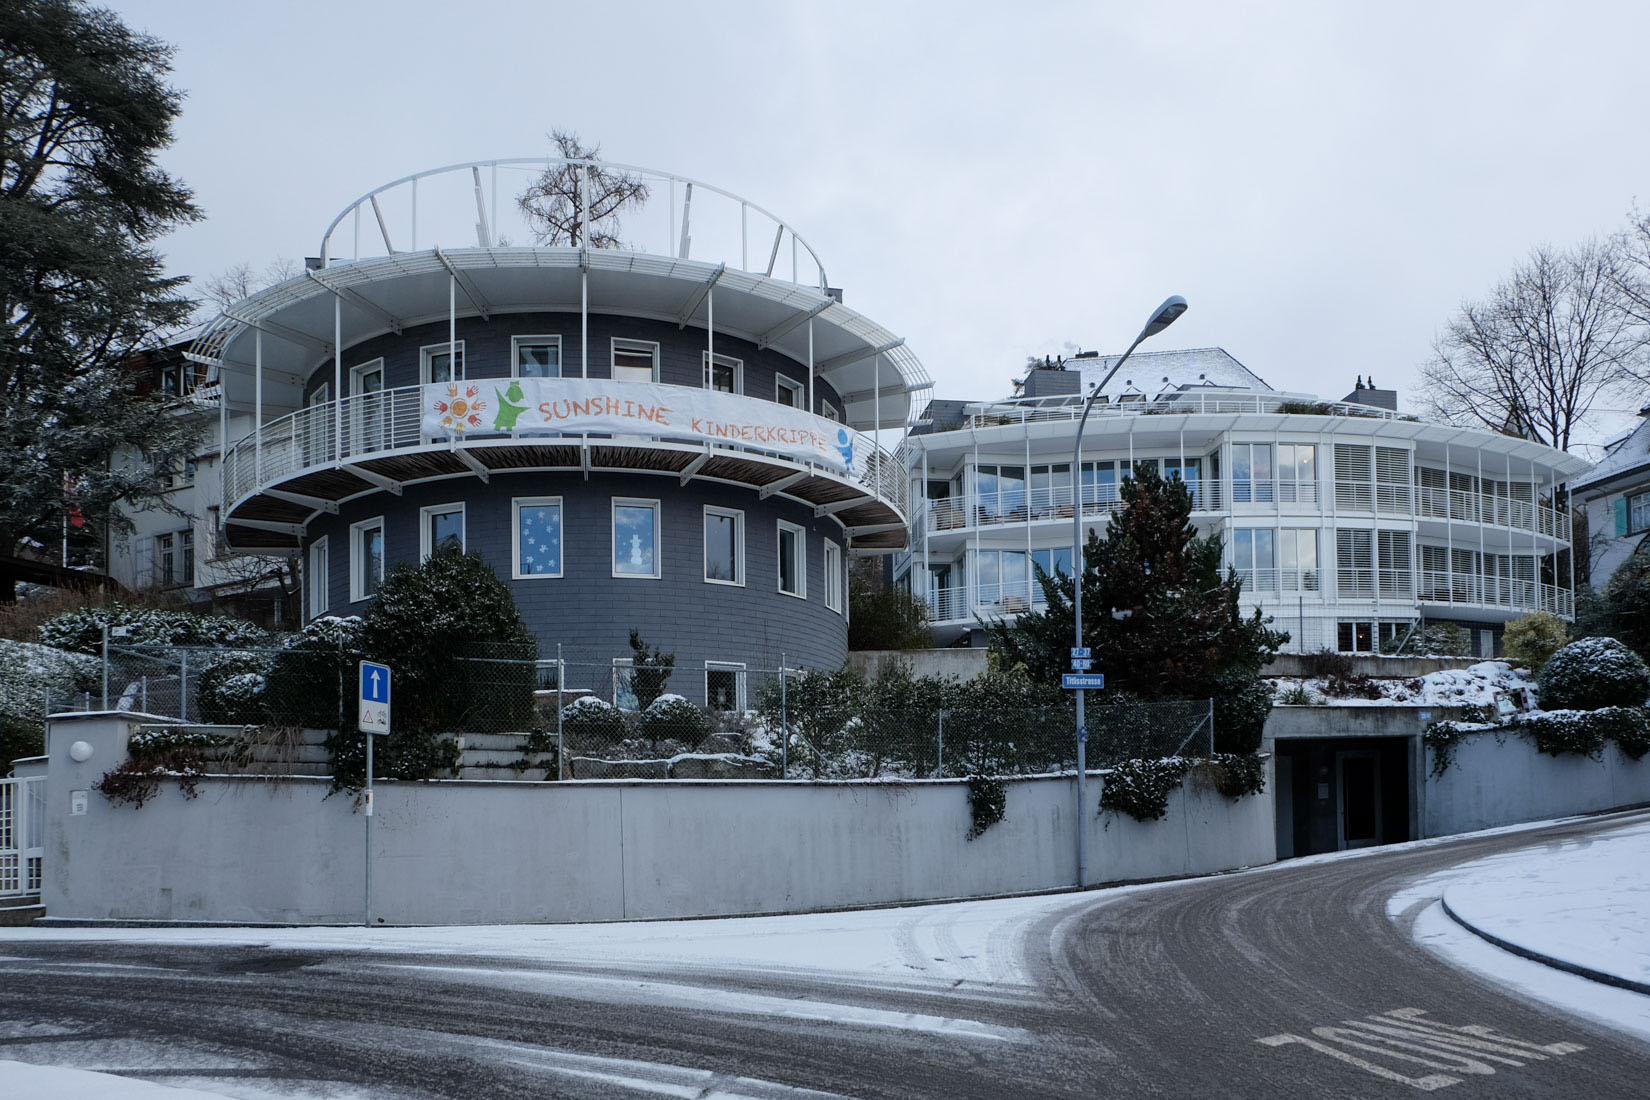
(1403, 1035)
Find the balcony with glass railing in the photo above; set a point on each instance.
(293, 467)
(1033, 505)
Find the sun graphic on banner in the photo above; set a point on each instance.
(460, 411)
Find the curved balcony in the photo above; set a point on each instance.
(300, 465)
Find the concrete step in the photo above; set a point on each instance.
(499, 742)
(17, 912)
(531, 775)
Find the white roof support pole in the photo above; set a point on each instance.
(223, 434)
(1029, 575)
(584, 321)
(1482, 571)
(710, 337)
(811, 406)
(876, 399)
(337, 377)
(257, 409)
(1535, 531)
(1449, 525)
(414, 237)
(927, 525)
(452, 327)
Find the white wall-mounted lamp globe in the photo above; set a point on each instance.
(80, 752)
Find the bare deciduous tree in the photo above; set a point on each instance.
(1547, 344)
(240, 280)
(554, 204)
(1633, 279)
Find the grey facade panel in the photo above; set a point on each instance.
(589, 610)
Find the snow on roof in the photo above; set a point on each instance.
(1183, 369)
(1625, 456)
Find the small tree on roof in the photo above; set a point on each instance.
(570, 198)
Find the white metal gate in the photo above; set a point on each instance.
(22, 834)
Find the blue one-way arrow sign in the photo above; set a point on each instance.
(375, 698)
(1086, 681)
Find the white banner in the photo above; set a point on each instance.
(573, 406)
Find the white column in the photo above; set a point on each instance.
(1482, 570)
(1449, 526)
(710, 334)
(1535, 532)
(337, 378)
(927, 526)
(257, 409)
(811, 406)
(452, 327)
(584, 323)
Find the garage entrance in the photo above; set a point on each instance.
(1335, 793)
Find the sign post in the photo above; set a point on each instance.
(374, 721)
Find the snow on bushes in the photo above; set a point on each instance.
(232, 687)
(1593, 673)
(593, 718)
(672, 718)
(30, 673)
(81, 630)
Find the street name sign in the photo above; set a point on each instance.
(1083, 681)
(375, 698)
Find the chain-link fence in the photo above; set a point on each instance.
(641, 717)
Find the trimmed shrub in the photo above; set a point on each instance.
(1532, 639)
(28, 674)
(307, 681)
(1241, 706)
(1628, 727)
(987, 803)
(231, 689)
(588, 718)
(81, 630)
(1236, 776)
(1593, 673)
(673, 718)
(1566, 731)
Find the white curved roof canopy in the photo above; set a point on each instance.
(854, 354)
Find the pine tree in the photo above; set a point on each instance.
(84, 107)
(1160, 617)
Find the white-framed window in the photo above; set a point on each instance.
(1298, 559)
(1253, 475)
(832, 563)
(440, 528)
(175, 558)
(315, 578)
(535, 538)
(724, 685)
(790, 392)
(624, 692)
(369, 407)
(443, 362)
(723, 373)
(635, 360)
(1638, 513)
(535, 356)
(1297, 473)
(1254, 556)
(793, 560)
(366, 558)
(724, 546)
(829, 411)
(635, 538)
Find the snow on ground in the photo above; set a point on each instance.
(1584, 900)
(60, 1083)
(1475, 685)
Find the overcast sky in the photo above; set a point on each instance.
(1325, 182)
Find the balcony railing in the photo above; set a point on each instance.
(1279, 582)
(1438, 586)
(1184, 402)
(376, 425)
(1032, 505)
(1497, 511)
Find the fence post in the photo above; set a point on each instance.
(145, 703)
(784, 726)
(1211, 728)
(561, 757)
(183, 688)
(939, 765)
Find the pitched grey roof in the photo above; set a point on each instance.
(1183, 369)
(1629, 455)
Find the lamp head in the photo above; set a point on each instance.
(1164, 316)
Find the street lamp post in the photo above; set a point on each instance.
(1162, 317)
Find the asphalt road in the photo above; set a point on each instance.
(1292, 981)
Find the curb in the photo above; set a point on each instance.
(1601, 976)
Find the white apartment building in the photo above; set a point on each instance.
(1350, 523)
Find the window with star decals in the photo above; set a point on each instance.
(537, 537)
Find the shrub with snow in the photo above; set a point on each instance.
(28, 675)
(81, 630)
(592, 719)
(232, 688)
(1593, 673)
(673, 718)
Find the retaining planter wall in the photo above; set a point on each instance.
(474, 852)
(1502, 780)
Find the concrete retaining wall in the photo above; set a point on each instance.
(1502, 780)
(456, 852)
(1294, 664)
(952, 664)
